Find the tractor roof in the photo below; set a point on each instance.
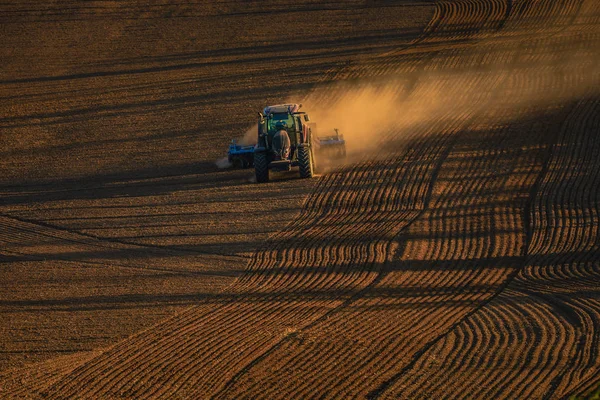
(282, 108)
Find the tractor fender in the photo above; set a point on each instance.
(305, 134)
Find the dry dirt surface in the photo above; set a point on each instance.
(455, 254)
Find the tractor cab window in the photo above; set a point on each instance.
(280, 121)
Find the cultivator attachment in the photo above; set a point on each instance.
(241, 156)
(331, 147)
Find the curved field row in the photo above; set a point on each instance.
(368, 333)
(471, 19)
(480, 235)
(437, 281)
(454, 23)
(392, 282)
(22, 382)
(517, 345)
(336, 191)
(537, 338)
(114, 137)
(288, 300)
(543, 16)
(338, 207)
(563, 267)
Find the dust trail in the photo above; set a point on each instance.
(501, 79)
(249, 138)
(223, 163)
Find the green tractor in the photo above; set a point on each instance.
(285, 141)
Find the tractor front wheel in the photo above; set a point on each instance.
(305, 162)
(261, 167)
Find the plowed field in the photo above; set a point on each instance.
(454, 254)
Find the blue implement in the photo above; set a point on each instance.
(241, 156)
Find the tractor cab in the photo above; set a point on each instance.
(282, 117)
(286, 140)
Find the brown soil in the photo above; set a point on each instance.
(460, 260)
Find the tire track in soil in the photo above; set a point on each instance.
(37, 241)
(38, 230)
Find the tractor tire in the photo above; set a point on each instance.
(305, 162)
(261, 167)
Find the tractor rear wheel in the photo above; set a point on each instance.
(305, 162)
(261, 167)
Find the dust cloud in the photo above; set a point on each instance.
(223, 163)
(249, 138)
(496, 81)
